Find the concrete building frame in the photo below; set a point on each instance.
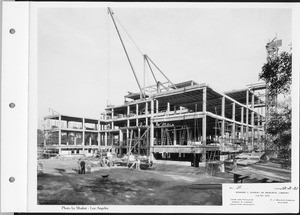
(188, 118)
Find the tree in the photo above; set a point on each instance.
(277, 73)
(40, 142)
(279, 132)
(40, 138)
(52, 138)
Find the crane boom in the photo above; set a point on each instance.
(111, 15)
(147, 57)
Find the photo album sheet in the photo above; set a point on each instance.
(160, 107)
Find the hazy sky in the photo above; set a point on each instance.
(82, 66)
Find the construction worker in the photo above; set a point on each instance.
(82, 167)
(138, 163)
(78, 166)
(234, 163)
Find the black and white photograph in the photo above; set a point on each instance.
(161, 106)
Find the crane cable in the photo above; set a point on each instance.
(139, 50)
(124, 48)
(144, 56)
(135, 44)
(144, 73)
(108, 60)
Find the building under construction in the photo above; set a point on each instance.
(184, 120)
(188, 118)
(66, 134)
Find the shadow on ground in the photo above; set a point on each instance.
(124, 187)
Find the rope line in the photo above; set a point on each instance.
(135, 44)
(108, 60)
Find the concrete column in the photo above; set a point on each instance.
(204, 118)
(156, 107)
(59, 130)
(252, 119)
(146, 112)
(259, 129)
(137, 113)
(161, 136)
(105, 139)
(204, 138)
(247, 116)
(174, 136)
(168, 108)
(189, 134)
(252, 128)
(127, 137)
(242, 121)
(204, 98)
(233, 118)
(180, 137)
(151, 131)
(83, 132)
(146, 108)
(139, 144)
(112, 118)
(223, 116)
(128, 122)
(98, 138)
(120, 135)
(90, 141)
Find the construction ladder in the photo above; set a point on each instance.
(166, 138)
(183, 136)
(211, 159)
(169, 140)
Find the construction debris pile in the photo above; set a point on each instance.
(255, 166)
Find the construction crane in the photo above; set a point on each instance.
(146, 59)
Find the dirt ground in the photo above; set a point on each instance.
(169, 183)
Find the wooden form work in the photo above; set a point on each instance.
(261, 175)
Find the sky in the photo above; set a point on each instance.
(82, 66)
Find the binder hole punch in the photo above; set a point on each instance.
(12, 105)
(12, 31)
(11, 179)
